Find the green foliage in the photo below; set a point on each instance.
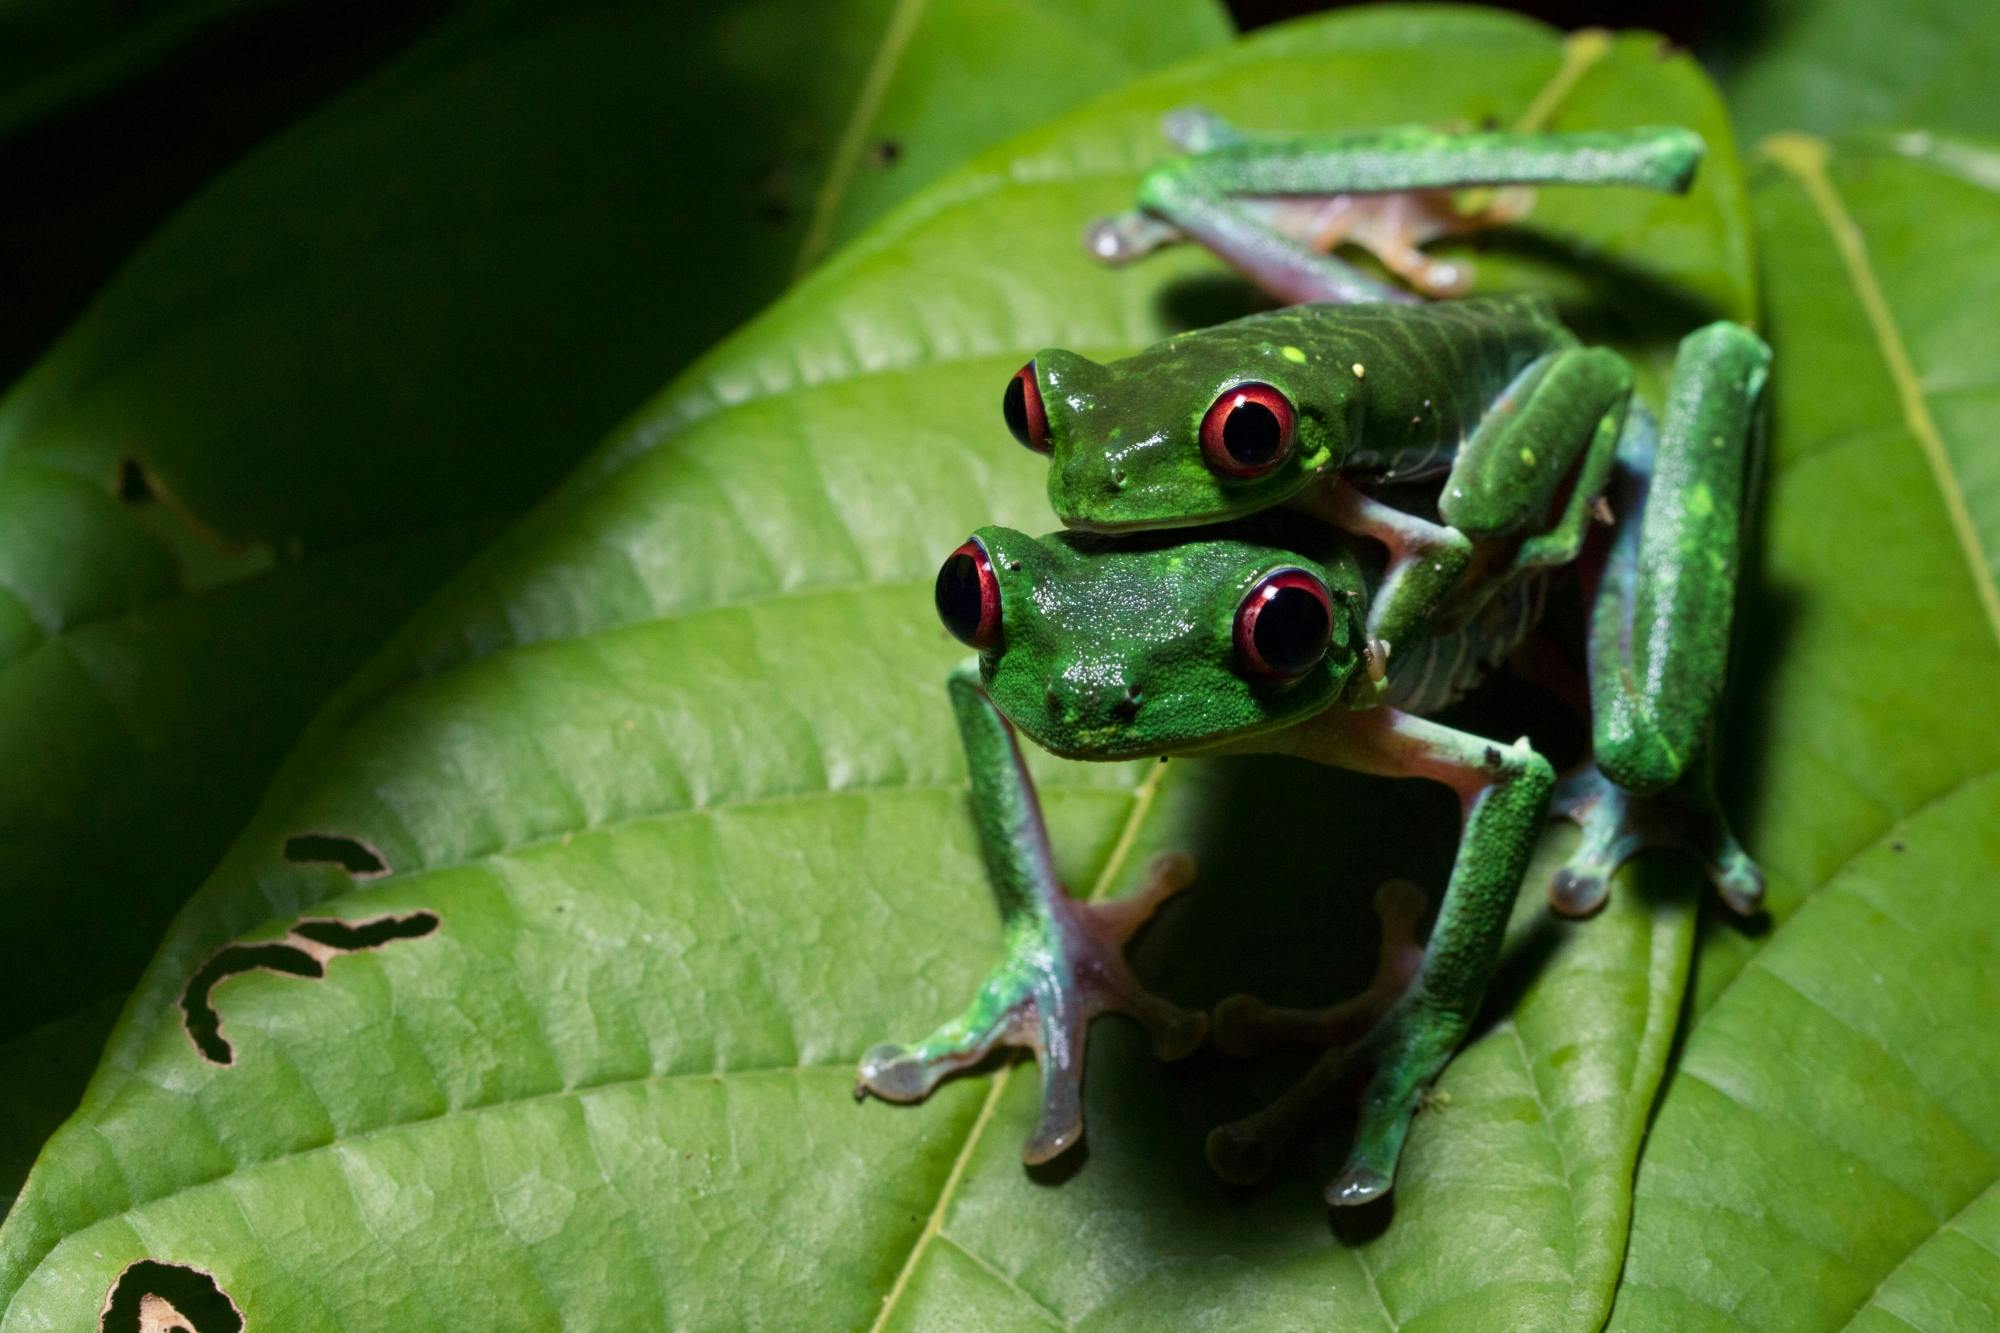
(1828, 66)
(356, 353)
(671, 763)
(1828, 1147)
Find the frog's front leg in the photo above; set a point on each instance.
(1659, 630)
(1557, 425)
(1268, 204)
(1504, 794)
(1065, 960)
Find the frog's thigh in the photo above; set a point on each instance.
(1660, 619)
(1562, 413)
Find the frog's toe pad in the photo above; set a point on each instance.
(1239, 1154)
(1578, 891)
(895, 1074)
(1357, 1185)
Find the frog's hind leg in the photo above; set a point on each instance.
(1246, 1026)
(1269, 205)
(1504, 793)
(1065, 960)
(1659, 630)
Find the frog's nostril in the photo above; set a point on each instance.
(1118, 479)
(1127, 705)
(1054, 703)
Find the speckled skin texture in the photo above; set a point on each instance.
(1123, 435)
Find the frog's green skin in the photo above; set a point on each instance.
(1115, 647)
(1119, 643)
(1494, 396)
(1109, 651)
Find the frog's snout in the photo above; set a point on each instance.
(1087, 696)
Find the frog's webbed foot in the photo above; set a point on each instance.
(1246, 1026)
(1617, 825)
(1391, 224)
(1351, 1031)
(1063, 969)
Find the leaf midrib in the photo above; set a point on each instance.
(1804, 158)
(847, 150)
(1142, 802)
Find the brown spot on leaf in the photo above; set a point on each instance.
(151, 1296)
(304, 952)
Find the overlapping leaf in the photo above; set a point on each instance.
(309, 397)
(671, 767)
(1826, 1153)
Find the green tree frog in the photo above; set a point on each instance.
(1138, 633)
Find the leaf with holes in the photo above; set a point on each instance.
(672, 768)
(305, 400)
(1828, 1151)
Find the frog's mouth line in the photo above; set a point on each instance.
(1104, 529)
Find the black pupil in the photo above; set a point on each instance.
(1291, 631)
(1015, 405)
(958, 598)
(1251, 433)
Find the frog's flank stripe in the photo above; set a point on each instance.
(1804, 158)
(847, 153)
(1142, 803)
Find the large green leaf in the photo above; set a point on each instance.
(1827, 1151)
(305, 400)
(671, 768)
(1827, 66)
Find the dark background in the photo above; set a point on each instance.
(83, 190)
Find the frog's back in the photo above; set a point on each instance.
(1428, 374)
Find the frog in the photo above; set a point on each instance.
(1292, 609)
(1489, 408)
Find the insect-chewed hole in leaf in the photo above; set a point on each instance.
(350, 853)
(304, 952)
(155, 1297)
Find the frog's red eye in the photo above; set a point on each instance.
(968, 597)
(1283, 625)
(1022, 404)
(1248, 430)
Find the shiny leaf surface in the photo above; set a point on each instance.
(338, 370)
(1825, 1155)
(671, 765)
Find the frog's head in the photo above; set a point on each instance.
(1202, 428)
(1112, 650)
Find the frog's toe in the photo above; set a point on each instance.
(1125, 237)
(1059, 977)
(1578, 890)
(1240, 1154)
(1246, 1026)
(1241, 1151)
(1357, 1184)
(911, 1073)
(1735, 876)
(1617, 825)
